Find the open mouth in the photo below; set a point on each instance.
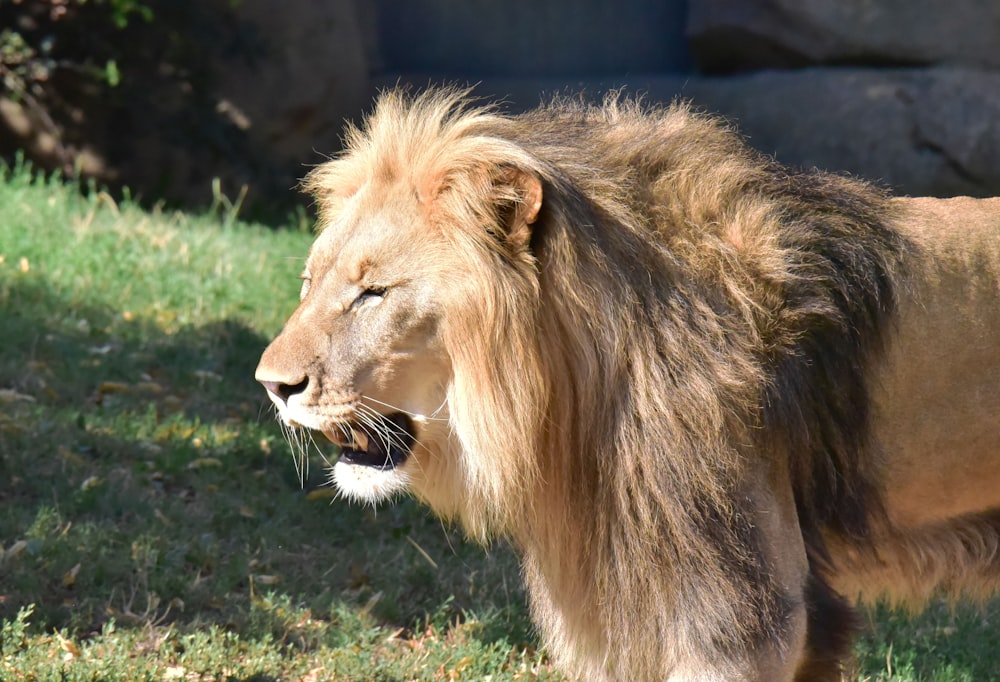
(381, 441)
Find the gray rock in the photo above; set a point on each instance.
(921, 131)
(956, 115)
(731, 35)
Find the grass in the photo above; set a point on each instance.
(153, 525)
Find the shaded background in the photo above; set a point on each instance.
(165, 95)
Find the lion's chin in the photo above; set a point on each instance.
(363, 483)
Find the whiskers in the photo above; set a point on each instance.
(391, 432)
(433, 416)
(299, 440)
(373, 440)
(388, 432)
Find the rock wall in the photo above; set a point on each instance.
(472, 39)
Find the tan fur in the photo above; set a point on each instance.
(696, 390)
(938, 415)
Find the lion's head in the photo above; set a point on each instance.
(416, 302)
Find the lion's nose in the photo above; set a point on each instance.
(283, 390)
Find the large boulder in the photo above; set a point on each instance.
(280, 90)
(309, 76)
(741, 35)
(921, 131)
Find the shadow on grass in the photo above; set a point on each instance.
(142, 479)
(64, 353)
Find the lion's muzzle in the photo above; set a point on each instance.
(365, 436)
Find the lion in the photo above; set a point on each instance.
(714, 402)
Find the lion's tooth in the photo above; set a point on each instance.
(360, 439)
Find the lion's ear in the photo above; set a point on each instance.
(519, 199)
(508, 194)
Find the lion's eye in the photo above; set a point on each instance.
(369, 295)
(306, 283)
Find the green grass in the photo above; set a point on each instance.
(153, 524)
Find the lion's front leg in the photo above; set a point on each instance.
(736, 612)
(779, 598)
(815, 641)
(588, 655)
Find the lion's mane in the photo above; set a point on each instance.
(683, 311)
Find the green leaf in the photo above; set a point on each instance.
(111, 73)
